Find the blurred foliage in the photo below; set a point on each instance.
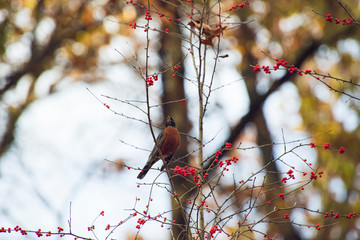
(285, 29)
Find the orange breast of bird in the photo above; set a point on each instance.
(171, 142)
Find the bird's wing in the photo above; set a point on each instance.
(160, 141)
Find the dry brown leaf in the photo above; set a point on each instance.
(208, 31)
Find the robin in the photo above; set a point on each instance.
(168, 142)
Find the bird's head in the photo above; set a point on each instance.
(170, 122)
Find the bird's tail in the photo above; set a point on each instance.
(145, 169)
(148, 166)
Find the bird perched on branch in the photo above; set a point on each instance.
(168, 142)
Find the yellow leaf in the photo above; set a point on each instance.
(31, 4)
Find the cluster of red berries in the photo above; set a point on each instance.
(280, 63)
(329, 18)
(148, 15)
(176, 67)
(332, 214)
(107, 227)
(231, 160)
(39, 233)
(203, 203)
(16, 229)
(291, 176)
(140, 222)
(150, 79)
(217, 154)
(291, 69)
(132, 25)
(327, 146)
(214, 229)
(160, 14)
(241, 5)
(315, 176)
(91, 228)
(186, 171)
(318, 227)
(353, 214)
(341, 150)
(228, 161)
